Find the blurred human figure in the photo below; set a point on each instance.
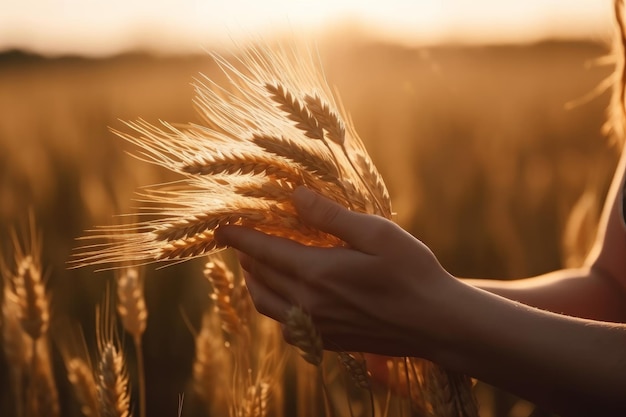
(557, 339)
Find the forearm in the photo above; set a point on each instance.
(582, 292)
(572, 366)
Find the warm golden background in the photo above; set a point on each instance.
(483, 159)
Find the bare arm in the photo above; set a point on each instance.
(573, 366)
(595, 291)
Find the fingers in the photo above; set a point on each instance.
(286, 287)
(283, 254)
(266, 301)
(357, 229)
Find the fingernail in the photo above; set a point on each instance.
(303, 197)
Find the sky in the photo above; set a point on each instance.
(99, 27)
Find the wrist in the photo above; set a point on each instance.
(458, 328)
(439, 320)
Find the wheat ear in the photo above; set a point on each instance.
(302, 333)
(80, 373)
(81, 376)
(356, 369)
(26, 293)
(360, 376)
(131, 306)
(223, 282)
(326, 118)
(112, 376)
(28, 284)
(113, 389)
(256, 400)
(311, 160)
(449, 393)
(295, 110)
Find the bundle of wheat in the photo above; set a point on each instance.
(277, 127)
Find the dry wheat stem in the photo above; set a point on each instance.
(16, 342)
(42, 397)
(211, 365)
(17, 346)
(464, 395)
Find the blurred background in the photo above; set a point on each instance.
(478, 115)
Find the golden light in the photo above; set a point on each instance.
(97, 27)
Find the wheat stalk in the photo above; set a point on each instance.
(17, 345)
(27, 319)
(42, 398)
(112, 376)
(131, 307)
(211, 365)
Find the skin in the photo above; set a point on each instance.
(556, 339)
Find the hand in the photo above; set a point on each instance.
(381, 294)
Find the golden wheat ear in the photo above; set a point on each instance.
(80, 372)
(273, 126)
(113, 387)
(26, 319)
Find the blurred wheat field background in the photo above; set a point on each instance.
(482, 160)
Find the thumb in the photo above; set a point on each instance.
(328, 216)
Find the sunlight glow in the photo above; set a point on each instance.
(101, 27)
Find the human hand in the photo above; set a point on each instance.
(379, 294)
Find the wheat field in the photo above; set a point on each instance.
(481, 159)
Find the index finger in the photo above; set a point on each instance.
(280, 253)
